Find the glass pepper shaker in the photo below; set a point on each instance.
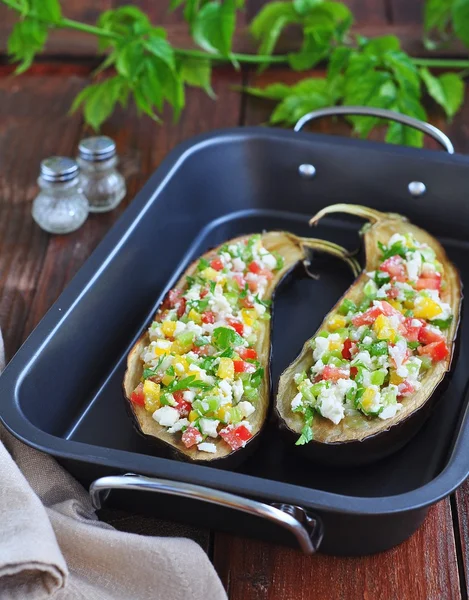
(60, 206)
(100, 181)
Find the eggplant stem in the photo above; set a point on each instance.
(355, 209)
(306, 265)
(333, 249)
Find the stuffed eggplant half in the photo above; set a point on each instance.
(198, 380)
(361, 387)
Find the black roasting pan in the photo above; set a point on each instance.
(61, 393)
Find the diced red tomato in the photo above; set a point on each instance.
(208, 317)
(392, 293)
(405, 389)
(246, 353)
(237, 326)
(252, 285)
(183, 406)
(236, 436)
(203, 292)
(247, 302)
(331, 373)
(429, 282)
(346, 349)
(370, 316)
(191, 437)
(240, 366)
(239, 280)
(436, 350)
(395, 268)
(353, 372)
(410, 332)
(201, 350)
(254, 267)
(429, 336)
(174, 300)
(216, 264)
(137, 396)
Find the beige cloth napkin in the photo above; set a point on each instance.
(53, 546)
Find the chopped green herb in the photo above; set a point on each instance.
(202, 264)
(224, 337)
(442, 323)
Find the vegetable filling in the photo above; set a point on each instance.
(373, 354)
(202, 376)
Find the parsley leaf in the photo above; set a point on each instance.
(224, 337)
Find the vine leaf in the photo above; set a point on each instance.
(447, 90)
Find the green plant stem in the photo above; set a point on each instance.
(448, 63)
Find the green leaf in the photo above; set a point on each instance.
(25, 41)
(447, 90)
(303, 7)
(404, 71)
(316, 46)
(275, 91)
(99, 100)
(265, 20)
(47, 10)
(437, 14)
(214, 26)
(198, 73)
(309, 95)
(382, 45)
(405, 136)
(460, 14)
(159, 47)
(173, 4)
(338, 61)
(224, 337)
(129, 59)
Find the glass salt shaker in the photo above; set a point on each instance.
(60, 206)
(100, 181)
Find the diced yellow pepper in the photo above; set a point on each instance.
(394, 378)
(368, 398)
(193, 415)
(397, 305)
(248, 316)
(336, 322)
(225, 368)
(178, 348)
(409, 304)
(180, 360)
(167, 379)
(223, 413)
(335, 345)
(168, 328)
(160, 351)
(382, 328)
(426, 308)
(194, 316)
(209, 274)
(151, 391)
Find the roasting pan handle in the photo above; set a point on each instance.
(382, 113)
(306, 528)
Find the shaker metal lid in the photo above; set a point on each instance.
(59, 168)
(97, 148)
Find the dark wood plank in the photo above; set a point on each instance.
(403, 11)
(33, 124)
(423, 568)
(462, 502)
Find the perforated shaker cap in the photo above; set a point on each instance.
(97, 148)
(58, 168)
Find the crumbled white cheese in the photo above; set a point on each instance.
(189, 396)
(166, 416)
(297, 401)
(363, 358)
(413, 264)
(193, 293)
(180, 328)
(246, 408)
(209, 427)
(321, 347)
(330, 404)
(179, 425)
(238, 389)
(395, 239)
(207, 447)
(238, 264)
(416, 323)
(269, 261)
(398, 352)
(390, 411)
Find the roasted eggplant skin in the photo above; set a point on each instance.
(362, 440)
(294, 250)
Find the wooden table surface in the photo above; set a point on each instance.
(35, 267)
